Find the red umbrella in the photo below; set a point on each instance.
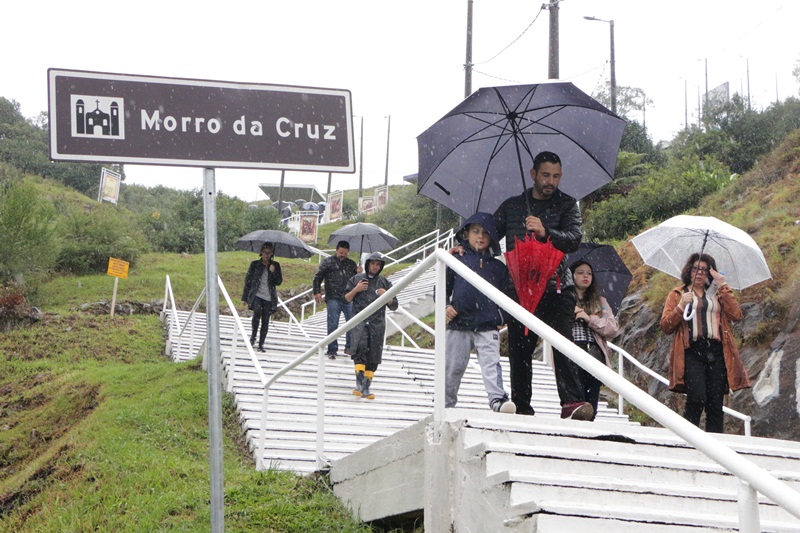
(531, 264)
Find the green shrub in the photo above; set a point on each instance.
(93, 234)
(27, 246)
(664, 193)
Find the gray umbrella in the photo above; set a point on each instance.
(479, 154)
(286, 244)
(364, 237)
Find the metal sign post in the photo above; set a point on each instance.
(213, 347)
(121, 118)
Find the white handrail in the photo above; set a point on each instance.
(421, 249)
(756, 477)
(747, 419)
(416, 320)
(403, 333)
(348, 325)
(240, 329)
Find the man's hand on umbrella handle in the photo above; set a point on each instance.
(450, 313)
(359, 269)
(456, 250)
(534, 225)
(318, 298)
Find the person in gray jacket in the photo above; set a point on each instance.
(367, 343)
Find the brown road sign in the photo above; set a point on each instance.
(120, 118)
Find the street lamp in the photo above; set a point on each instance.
(613, 67)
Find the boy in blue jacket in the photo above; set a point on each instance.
(473, 318)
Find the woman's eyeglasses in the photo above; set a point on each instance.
(701, 269)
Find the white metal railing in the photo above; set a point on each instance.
(547, 355)
(403, 334)
(752, 478)
(435, 239)
(319, 348)
(623, 355)
(431, 241)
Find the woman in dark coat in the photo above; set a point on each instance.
(260, 294)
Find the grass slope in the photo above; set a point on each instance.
(100, 432)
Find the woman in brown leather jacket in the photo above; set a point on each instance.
(704, 360)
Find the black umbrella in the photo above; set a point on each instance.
(364, 237)
(286, 244)
(610, 273)
(480, 153)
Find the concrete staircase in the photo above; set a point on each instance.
(542, 474)
(501, 472)
(403, 386)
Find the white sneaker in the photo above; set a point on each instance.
(504, 406)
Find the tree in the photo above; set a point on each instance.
(24, 144)
(28, 245)
(630, 100)
(409, 215)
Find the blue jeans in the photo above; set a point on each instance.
(335, 307)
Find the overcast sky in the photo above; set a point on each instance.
(404, 59)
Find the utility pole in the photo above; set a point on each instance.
(388, 132)
(613, 72)
(748, 84)
(705, 109)
(612, 58)
(552, 63)
(361, 164)
(685, 105)
(468, 62)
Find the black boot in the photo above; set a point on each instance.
(359, 390)
(365, 390)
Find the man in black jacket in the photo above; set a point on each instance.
(335, 271)
(546, 213)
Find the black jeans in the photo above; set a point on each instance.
(706, 381)
(261, 313)
(591, 385)
(557, 311)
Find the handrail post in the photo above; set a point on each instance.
(262, 437)
(232, 362)
(166, 294)
(439, 353)
(749, 520)
(320, 407)
(621, 372)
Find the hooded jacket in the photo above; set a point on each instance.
(560, 217)
(367, 337)
(476, 312)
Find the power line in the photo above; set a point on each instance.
(496, 77)
(514, 41)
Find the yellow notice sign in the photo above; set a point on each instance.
(118, 268)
